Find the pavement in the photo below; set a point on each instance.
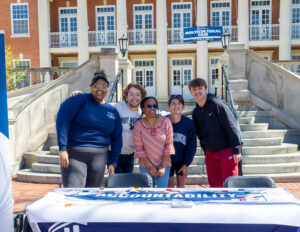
(26, 193)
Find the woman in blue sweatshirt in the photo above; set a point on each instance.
(86, 126)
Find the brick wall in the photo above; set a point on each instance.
(29, 45)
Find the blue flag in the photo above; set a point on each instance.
(6, 203)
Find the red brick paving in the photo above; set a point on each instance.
(26, 193)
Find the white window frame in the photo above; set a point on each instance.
(260, 25)
(296, 25)
(145, 68)
(12, 21)
(69, 33)
(182, 67)
(175, 31)
(25, 76)
(211, 84)
(106, 32)
(221, 10)
(143, 30)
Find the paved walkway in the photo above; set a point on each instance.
(26, 193)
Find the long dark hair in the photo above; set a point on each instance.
(142, 104)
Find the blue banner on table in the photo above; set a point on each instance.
(6, 203)
(202, 33)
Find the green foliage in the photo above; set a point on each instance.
(13, 76)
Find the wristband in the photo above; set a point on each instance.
(151, 167)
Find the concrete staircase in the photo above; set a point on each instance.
(264, 153)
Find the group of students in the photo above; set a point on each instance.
(92, 133)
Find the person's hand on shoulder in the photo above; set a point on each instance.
(64, 159)
(75, 92)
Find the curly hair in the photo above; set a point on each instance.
(136, 86)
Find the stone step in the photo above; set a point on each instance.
(254, 127)
(240, 84)
(246, 120)
(240, 95)
(41, 157)
(28, 175)
(46, 168)
(263, 142)
(270, 150)
(271, 159)
(254, 113)
(263, 134)
(54, 150)
(271, 168)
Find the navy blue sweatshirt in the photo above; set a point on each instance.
(216, 126)
(184, 140)
(83, 122)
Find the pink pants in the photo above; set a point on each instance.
(219, 166)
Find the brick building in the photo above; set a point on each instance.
(45, 33)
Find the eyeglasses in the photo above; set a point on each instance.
(100, 86)
(176, 96)
(152, 106)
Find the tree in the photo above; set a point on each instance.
(13, 76)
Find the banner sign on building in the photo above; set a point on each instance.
(202, 33)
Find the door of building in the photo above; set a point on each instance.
(144, 74)
(181, 75)
(260, 20)
(68, 27)
(105, 22)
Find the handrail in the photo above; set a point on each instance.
(228, 90)
(114, 89)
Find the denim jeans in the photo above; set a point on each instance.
(161, 182)
(125, 164)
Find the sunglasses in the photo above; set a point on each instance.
(176, 96)
(100, 86)
(152, 106)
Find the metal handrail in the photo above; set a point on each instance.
(228, 90)
(114, 88)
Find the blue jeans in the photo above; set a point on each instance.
(161, 182)
(125, 164)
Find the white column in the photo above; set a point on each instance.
(285, 29)
(44, 29)
(202, 46)
(121, 20)
(243, 23)
(161, 51)
(83, 29)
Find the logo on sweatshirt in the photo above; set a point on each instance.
(111, 115)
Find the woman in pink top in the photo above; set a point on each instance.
(153, 138)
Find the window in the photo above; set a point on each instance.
(143, 24)
(296, 57)
(260, 28)
(181, 18)
(69, 64)
(20, 19)
(144, 74)
(105, 22)
(220, 15)
(68, 27)
(296, 19)
(21, 79)
(214, 73)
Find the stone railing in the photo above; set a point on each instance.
(33, 76)
(291, 65)
(32, 110)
